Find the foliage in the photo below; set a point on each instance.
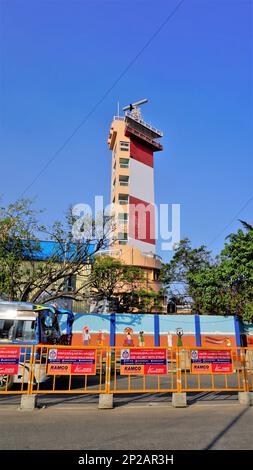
(180, 273)
(221, 286)
(24, 274)
(121, 285)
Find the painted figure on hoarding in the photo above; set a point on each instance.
(86, 336)
(212, 340)
(128, 341)
(100, 338)
(141, 339)
(169, 339)
(180, 333)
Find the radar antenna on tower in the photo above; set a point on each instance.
(134, 109)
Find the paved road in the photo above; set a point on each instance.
(132, 399)
(200, 426)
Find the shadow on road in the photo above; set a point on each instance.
(120, 399)
(137, 398)
(226, 429)
(193, 397)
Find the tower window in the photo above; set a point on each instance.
(155, 275)
(124, 162)
(123, 217)
(70, 283)
(122, 238)
(123, 180)
(124, 146)
(123, 198)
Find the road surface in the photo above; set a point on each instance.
(203, 425)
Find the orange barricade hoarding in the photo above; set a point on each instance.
(9, 360)
(211, 361)
(143, 361)
(71, 361)
(83, 369)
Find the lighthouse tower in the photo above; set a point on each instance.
(133, 143)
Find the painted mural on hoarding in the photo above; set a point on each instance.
(217, 331)
(91, 329)
(148, 330)
(132, 330)
(177, 330)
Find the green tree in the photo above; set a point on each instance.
(235, 273)
(25, 278)
(121, 286)
(221, 285)
(179, 274)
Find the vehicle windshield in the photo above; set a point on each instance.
(17, 330)
(49, 328)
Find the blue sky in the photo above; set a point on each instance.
(58, 58)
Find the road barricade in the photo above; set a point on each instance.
(140, 370)
(206, 369)
(40, 369)
(69, 369)
(16, 368)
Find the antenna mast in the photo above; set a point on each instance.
(134, 109)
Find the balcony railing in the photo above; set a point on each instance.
(145, 124)
(109, 253)
(119, 118)
(152, 255)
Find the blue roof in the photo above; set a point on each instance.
(44, 250)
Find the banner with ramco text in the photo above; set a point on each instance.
(9, 360)
(71, 361)
(211, 361)
(145, 361)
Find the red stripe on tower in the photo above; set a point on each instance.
(141, 196)
(141, 152)
(141, 220)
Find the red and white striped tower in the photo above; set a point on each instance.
(133, 143)
(141, 185)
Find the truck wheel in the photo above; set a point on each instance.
(6, 382)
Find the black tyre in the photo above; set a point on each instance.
(6, 382)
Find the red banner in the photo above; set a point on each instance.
(145, 361)
(9, 360)
(211, 361)
(72, 361)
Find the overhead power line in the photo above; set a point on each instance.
(98, 103)
(231, 221)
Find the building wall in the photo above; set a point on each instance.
(247, 331)
(78, 281)
(141, 198)
(158, 330)
(138, 249)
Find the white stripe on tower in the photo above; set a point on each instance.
(141, 184)
(141, 198)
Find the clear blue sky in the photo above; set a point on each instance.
(59, 57)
